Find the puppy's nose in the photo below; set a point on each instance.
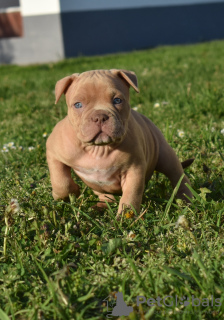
(100, 118)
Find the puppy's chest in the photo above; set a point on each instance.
(96, 175)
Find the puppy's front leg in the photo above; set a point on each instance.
(132, 189)
(61, 180)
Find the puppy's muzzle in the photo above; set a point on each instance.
(102, 127)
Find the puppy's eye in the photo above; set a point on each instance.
(78, 105)
(117, 101)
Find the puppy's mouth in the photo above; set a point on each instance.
(101, 139)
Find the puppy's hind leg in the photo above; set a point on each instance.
(169, 164)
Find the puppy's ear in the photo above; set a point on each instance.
(129, 77)
(62, 86)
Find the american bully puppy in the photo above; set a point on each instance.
(111, 147)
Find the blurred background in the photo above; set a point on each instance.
(37, 31)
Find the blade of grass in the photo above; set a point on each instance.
(113, 217)
(87, 216)
(3, 315)
(168, 206)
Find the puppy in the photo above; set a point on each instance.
(111, 147)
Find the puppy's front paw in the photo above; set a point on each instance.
(64, 194)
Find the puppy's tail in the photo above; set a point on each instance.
(187, 163)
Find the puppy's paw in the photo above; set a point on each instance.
(65, 196)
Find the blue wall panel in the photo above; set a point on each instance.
(110, 31)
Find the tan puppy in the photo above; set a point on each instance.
(111, 147)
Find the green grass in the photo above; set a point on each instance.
(60, 260)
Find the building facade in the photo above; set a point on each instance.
(37, 31)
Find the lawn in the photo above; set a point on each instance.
(61, 260)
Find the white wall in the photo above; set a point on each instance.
(42, 40)
(40, 7)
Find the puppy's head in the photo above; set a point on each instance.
(98, 104)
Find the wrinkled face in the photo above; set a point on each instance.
(98, 108)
